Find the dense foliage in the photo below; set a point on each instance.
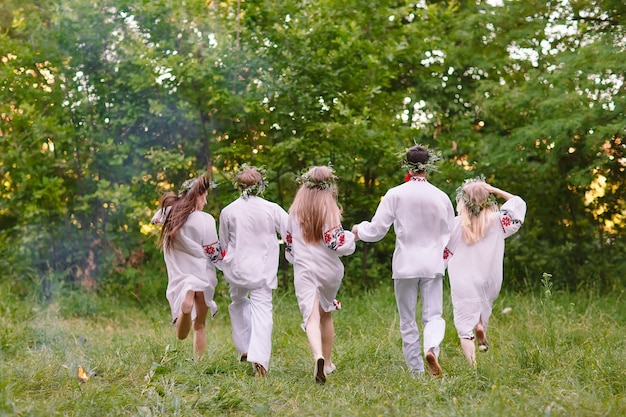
(105, 105)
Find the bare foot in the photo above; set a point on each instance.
(481, 338)
(320, 375)
(433, 363)
(259, 370)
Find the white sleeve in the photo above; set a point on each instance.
(160, 215)
(455, 236)
(376, 229)
(288, 237)
(280, 221)
(512, 214)
(211, 244)
(340, 240)
(224, 234)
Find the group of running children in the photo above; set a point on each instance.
(429, 240)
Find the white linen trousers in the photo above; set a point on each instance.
(422, 217)
(248, 233)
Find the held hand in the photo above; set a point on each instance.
(355, 232)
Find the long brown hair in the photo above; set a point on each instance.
(180, 205)
(315, 204)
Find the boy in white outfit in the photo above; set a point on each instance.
(422, 216)
(248, 234)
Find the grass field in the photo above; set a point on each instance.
(552, 355)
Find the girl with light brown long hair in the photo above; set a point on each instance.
(191, 250)
(315, 241)
(475, 253)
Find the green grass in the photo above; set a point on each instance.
(552, 355)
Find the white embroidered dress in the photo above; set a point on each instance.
(317, 267)
(191, 262)
(475, 270)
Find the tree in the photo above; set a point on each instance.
(103, 107)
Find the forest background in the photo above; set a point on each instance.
(106, 105)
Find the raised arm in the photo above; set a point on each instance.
(500, 193)
(512, 212)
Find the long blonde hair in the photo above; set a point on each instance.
(315, 204)
(473, 224)
(181, 206)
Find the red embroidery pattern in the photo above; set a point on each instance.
(334, 238)
(214, 252)
(507, 221)
(410, 177)
(289, 244)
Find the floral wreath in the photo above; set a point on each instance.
(255, 189)
(429, 166)
(308, 182)
(189, 184)
(475, 208)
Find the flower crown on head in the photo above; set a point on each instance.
(189, 184)
(328, 184)
(429, 166)
(254, 189)
(473, 207)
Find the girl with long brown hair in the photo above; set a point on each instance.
(191, 250)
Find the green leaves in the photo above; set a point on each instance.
(103, 108)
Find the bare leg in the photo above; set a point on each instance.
(183, 322)
(328, 336)
(313, 329)
(199, 332)
(469, 350)
(314, 334)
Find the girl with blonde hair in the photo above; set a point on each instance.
(475, 255)
(315, 241)
(191, 250)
